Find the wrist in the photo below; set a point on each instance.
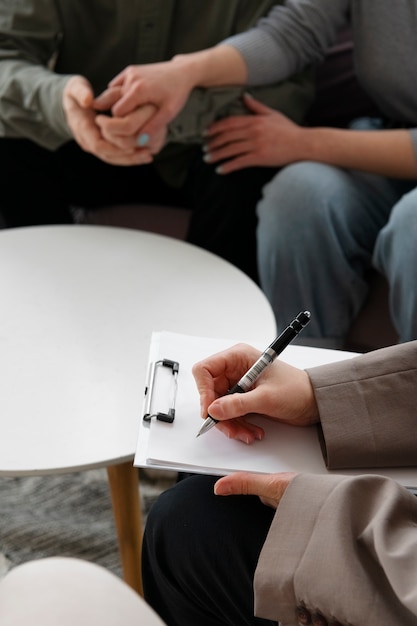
(311, 408)
(309, 144)
(188, 68)
(220, 65)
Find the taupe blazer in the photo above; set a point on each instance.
(343, 549)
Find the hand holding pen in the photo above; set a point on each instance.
(215, 378)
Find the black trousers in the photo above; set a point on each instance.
(39, 187)
(200, 553)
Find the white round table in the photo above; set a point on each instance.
(78, 306)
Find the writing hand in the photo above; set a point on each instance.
(267, 138)
(282, 392)
(268, 487)
(78, 104)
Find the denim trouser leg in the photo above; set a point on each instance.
(317, 229)
(395, 256)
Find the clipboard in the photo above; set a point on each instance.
(173, 445)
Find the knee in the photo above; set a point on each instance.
(300, 192)
(404, 214)
(398, 238)
(179, 513)
(302, 199)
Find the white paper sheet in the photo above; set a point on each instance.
(176, 446)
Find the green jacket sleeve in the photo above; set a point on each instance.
(30, 92)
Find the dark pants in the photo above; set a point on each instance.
(40, 186)
(200, 553)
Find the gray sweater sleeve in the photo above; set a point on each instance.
(289, 38)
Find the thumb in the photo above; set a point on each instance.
(255, 106)
(79, 89)
(268, 487)
(235, 405)
(241, 483)
(107, 99)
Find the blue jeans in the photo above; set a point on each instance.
(320, 231)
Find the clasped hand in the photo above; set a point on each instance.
(111, 138)
(143, 99)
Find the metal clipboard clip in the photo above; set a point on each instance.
(169, 416)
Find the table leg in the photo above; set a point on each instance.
(124, 488)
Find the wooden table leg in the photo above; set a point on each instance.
(124, 489)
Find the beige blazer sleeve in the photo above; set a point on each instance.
(344, 548)
(368, 408)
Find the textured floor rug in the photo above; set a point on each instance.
(66, 515)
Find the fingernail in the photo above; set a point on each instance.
(221, 490)
(142, 140)
(219, 170)
(207, 158)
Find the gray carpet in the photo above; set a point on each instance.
(66, 515)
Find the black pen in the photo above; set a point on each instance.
(277, 346)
